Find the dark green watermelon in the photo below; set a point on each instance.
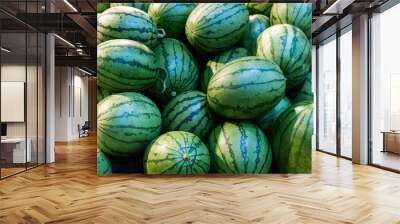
(267, 120)
(239, 147)
(215, 27)
(189, 112)
(123, 22)
(177, 152)
(101, 7)
(257, 24)
(297, 14)
(291, 139)
(218, 62)
(306, 93)
(126, 123)
(246, 88)
(126, 65)
(103, 164)
(288, 47)
(171, 17)
(259, 8)
(180, 69)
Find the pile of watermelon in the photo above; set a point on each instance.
(186, 88)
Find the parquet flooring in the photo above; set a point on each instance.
(69, 191)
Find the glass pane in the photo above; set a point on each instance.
(346, 94)
(31, 97)
(327, 96)
(386, 89)
(13, 87)
(41, 99)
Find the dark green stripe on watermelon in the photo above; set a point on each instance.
(177, 152)
(126, 123)
(291, 139)
(306, 93)
(239, 147)
(257, 24)
(189, 112)
(101, 7)
(180, 69)
(124, 22)
(218, 62)
(267, 120)
(103, 164)
(171, 17)
(214, 27)
(288, 47)
(125, 65)
(297, 14)
(246, 88)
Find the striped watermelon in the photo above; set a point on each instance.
(171, 17)
(189, 112)
(102, 93)
(259, 8)
(257, 24)
(101, 7)
(246, 88)
(291, 139)
(142, 6)
(214, 27)
(126, 123)
(267, 120)
(218, 62)
(179, 66)
(103, 164)
(125, 65)
(124, 22)
(297, 14)
(288, 47)
(177, 152)
(239, 147)
(306, 92)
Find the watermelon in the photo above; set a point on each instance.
(142, 6)
(126, 123)
(171, 17)
(177, 152)
(259, 8)
(102, 93)
(257, 24)
(288, 47)
(306, 92)
(103, 164)
(297, 14)
(123, 22)
(101, 7)
(189, 112)
(214, 27)
(219, 61)
(180, 69)
(125, 65)
(239, 147)
(246, 88)
(291, 139)
(267, 120)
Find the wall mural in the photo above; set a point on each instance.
(198, 88)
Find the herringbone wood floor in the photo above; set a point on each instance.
(69, 191)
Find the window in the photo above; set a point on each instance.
(385, 89)
(327, 95)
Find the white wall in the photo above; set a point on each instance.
(71, 102)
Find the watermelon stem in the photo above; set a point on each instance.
(161, 33)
